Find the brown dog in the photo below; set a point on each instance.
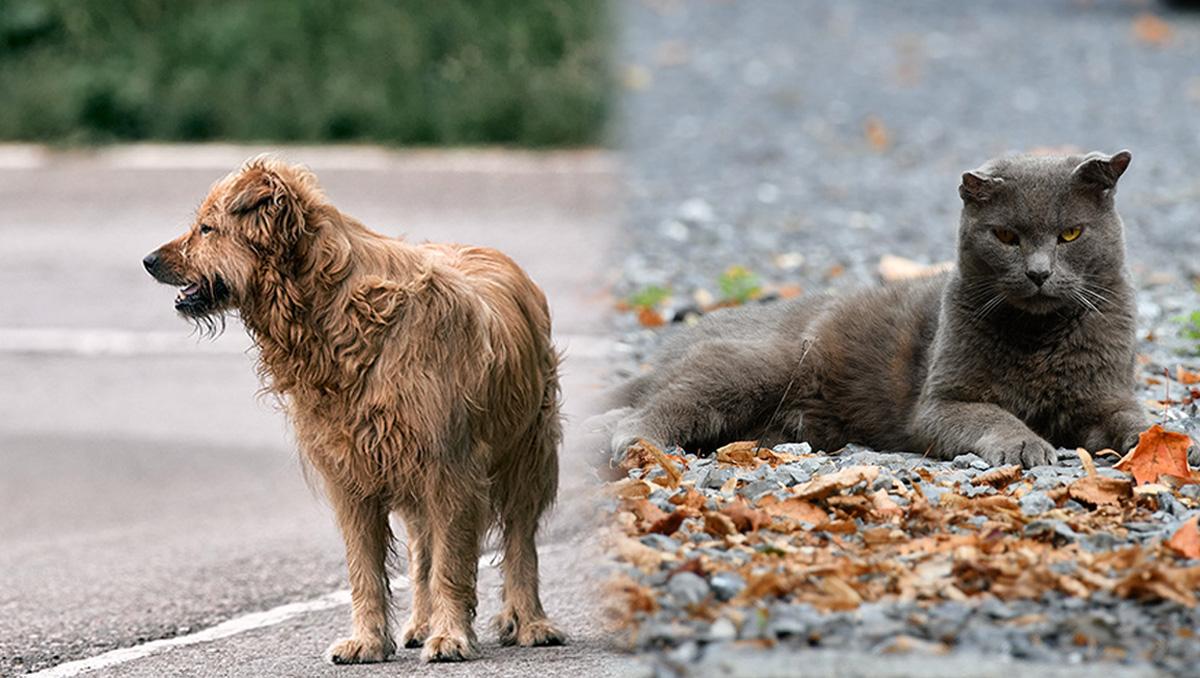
(420, 379)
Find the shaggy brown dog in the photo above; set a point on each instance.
(420, 379)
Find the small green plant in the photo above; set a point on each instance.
(739, 284)
(1191, 325)
(649, 297)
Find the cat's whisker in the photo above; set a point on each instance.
(988, 307)
(1085, 302)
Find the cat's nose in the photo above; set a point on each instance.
(1038, 276)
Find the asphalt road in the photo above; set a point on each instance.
(147, 492)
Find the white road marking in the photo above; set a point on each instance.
(232, 627)
(101, 342)
(242, 624)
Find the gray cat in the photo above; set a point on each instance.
(1026, 346)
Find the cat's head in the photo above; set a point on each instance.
(1041, 233)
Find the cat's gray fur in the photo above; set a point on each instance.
(979, 360)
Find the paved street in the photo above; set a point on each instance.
(147, 492)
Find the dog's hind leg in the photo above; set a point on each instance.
(365, 529)
(534, 470)
(420, 566)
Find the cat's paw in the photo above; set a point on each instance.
(1025, 451)
(1125, 442)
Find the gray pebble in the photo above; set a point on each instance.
(722, 630)
(726, 585)
(718, 477)
(660, 542)
(687, 588)
(794, 448)
(758, 488)
(970, 461)
(1036, 503)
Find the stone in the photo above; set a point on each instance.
(1036, 503)
(687, 588)
(726, 585)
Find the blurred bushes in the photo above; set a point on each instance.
(528, 72)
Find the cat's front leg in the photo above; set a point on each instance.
(948, 428)
(1117, 428)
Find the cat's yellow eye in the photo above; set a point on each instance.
(1070, 234)
(1005, 236)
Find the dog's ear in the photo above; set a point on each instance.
(263, 194)
(256, 187)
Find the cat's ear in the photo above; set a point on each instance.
(1102, 171)
(978, 186)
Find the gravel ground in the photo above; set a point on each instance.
(805, 141)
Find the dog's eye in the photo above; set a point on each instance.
(205, 229)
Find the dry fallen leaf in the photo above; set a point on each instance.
(1100, 490)
(882, 504)
(649, 317)
(1158, 452)
(1085, 458)
(646, 511)
(741, 453)
(745, 518)
(1151, 29)
(639, 555)
(718, 524)
(643, 453)
(1186, 540)
(877, 134)
(999, 477)
(668, 524)
(1186, 377)
(794, 508)
(823, 486)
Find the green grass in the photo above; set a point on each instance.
(739, 285)
(528, 72)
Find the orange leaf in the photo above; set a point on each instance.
(1097, 490)
(823, 486)
(646, 511)
(1185, 377)
(642, 454)
(718, 524)
(649, 317)
(740, 453)
(1186, 540)
(1158, 452)
(793, 509)
(1151, 29)
(745, 518)
(668, 524)
(877, 134)
(999, 477)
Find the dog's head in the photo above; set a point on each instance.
(250, 220)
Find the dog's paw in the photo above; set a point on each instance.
(414, 634)
(535, 633)
(360, 650)
(448, 647)
(1025, 451)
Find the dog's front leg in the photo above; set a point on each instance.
(420, 568)
(365, 529)
(458, 511)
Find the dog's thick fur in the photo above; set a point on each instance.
(420, 380)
